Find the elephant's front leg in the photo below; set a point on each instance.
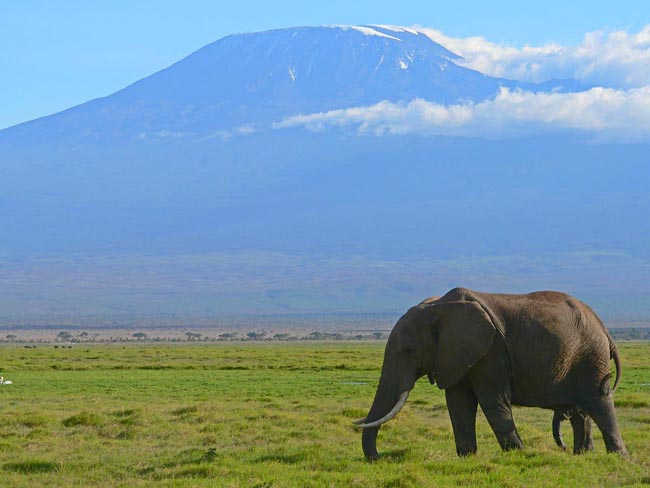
(496, 408)
(462, 405)
(490, 381)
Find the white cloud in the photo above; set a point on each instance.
(605, 113)
(225, 135)
(614, 59)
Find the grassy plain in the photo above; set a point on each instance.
(270, 415)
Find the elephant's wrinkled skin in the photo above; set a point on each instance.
(545, 349)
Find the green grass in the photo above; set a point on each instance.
(271, 415)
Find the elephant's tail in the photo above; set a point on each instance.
(617, 362)
(604, 383)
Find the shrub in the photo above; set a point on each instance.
(84, 418)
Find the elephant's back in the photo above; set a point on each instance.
(556, 345)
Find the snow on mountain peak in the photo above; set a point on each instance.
(366, 30)
(397, 28)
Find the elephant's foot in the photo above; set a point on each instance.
(465, 450)
(614, 444)
(511, 446)
(586, 446)
(510, 441)
(621, 450)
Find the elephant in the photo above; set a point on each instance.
(543, 349)
(581, 423)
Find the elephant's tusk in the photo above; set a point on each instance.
(360, 421)
(398, 406)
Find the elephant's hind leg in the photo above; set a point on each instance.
(462, 406)
(603, 413)
(582, 439)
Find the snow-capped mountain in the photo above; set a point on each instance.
(259, 78)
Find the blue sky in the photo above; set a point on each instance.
(54, 55)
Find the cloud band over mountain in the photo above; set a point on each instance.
(604, 112)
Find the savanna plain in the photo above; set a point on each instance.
(271, 415)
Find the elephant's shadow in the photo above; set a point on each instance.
(395, 455)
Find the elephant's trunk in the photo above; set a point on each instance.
(369, 443)
(383, 409)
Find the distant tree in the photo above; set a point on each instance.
(140, 336)
(630, 333)
(256, 335)
(335, 336)
(64, 335)
(377, 335)
(192, 336)
(11, 337)
(280, 337)
(228, 335)
(316, 336)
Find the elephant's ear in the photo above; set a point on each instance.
(464, 333)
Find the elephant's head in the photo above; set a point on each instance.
(439, 339)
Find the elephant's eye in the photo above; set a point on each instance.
(409, 350)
